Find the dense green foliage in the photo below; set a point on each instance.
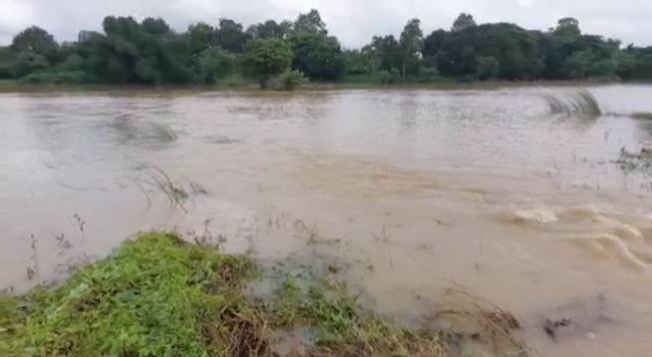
(150, 52)
(157, 296)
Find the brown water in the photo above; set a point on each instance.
(415, 189)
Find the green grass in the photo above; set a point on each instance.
(154, 297)
(158, 296)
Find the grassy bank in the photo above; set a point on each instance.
(158, 296)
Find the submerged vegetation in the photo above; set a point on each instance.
(579, 103)
(159, 296)
(636, 161)
(177, 193)
(151, 52)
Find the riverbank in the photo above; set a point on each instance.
(446, 84)
(160, 296)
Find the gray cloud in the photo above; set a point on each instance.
(353, 21)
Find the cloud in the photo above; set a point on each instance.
(13, 16)
(353, 21)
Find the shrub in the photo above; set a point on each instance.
(384, 77)
(288, 80)
(235, 80)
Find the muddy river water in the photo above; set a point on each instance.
(414, 189)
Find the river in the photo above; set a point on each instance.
(413, 189)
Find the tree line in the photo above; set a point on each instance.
(150, 52)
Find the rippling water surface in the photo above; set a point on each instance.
(415, 189)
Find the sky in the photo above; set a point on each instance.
(354, 22)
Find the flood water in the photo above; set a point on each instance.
(414, 189)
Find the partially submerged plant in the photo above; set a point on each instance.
(472, 316)
(175, 192)
(635, 161)
(586, 104)
(33, 270)
(556, 105)
(577, 103)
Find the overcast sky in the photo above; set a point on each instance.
(353, 21)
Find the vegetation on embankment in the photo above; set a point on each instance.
(285, 54)
(159, 296)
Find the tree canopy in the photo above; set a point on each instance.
(151, 52)
(267, 57)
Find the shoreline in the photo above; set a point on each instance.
(170, 297)
(8, 88)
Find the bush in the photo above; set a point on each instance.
(288, 80)
(389, 77)
(235, 80)
(487, 68)
(396, 75)
(384, 77)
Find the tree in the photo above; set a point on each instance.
(7, 63)
(605, 68)
(265, 58)
(126, 28)
(463, 22)
(388, 50)
(643, 68)
(487, 68)
(30, 62)
(201, 36)
(625, 65)
(36, 41)
(317, 55)
(576, 66)
(433, 43)
(129, 51)
(361, 61)
(74, 62)
(156, 27)
(215, 63)
(568, 26)
(411, 44)
(310, 22)
(269, 29)
(230, 36)
(174, 59)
